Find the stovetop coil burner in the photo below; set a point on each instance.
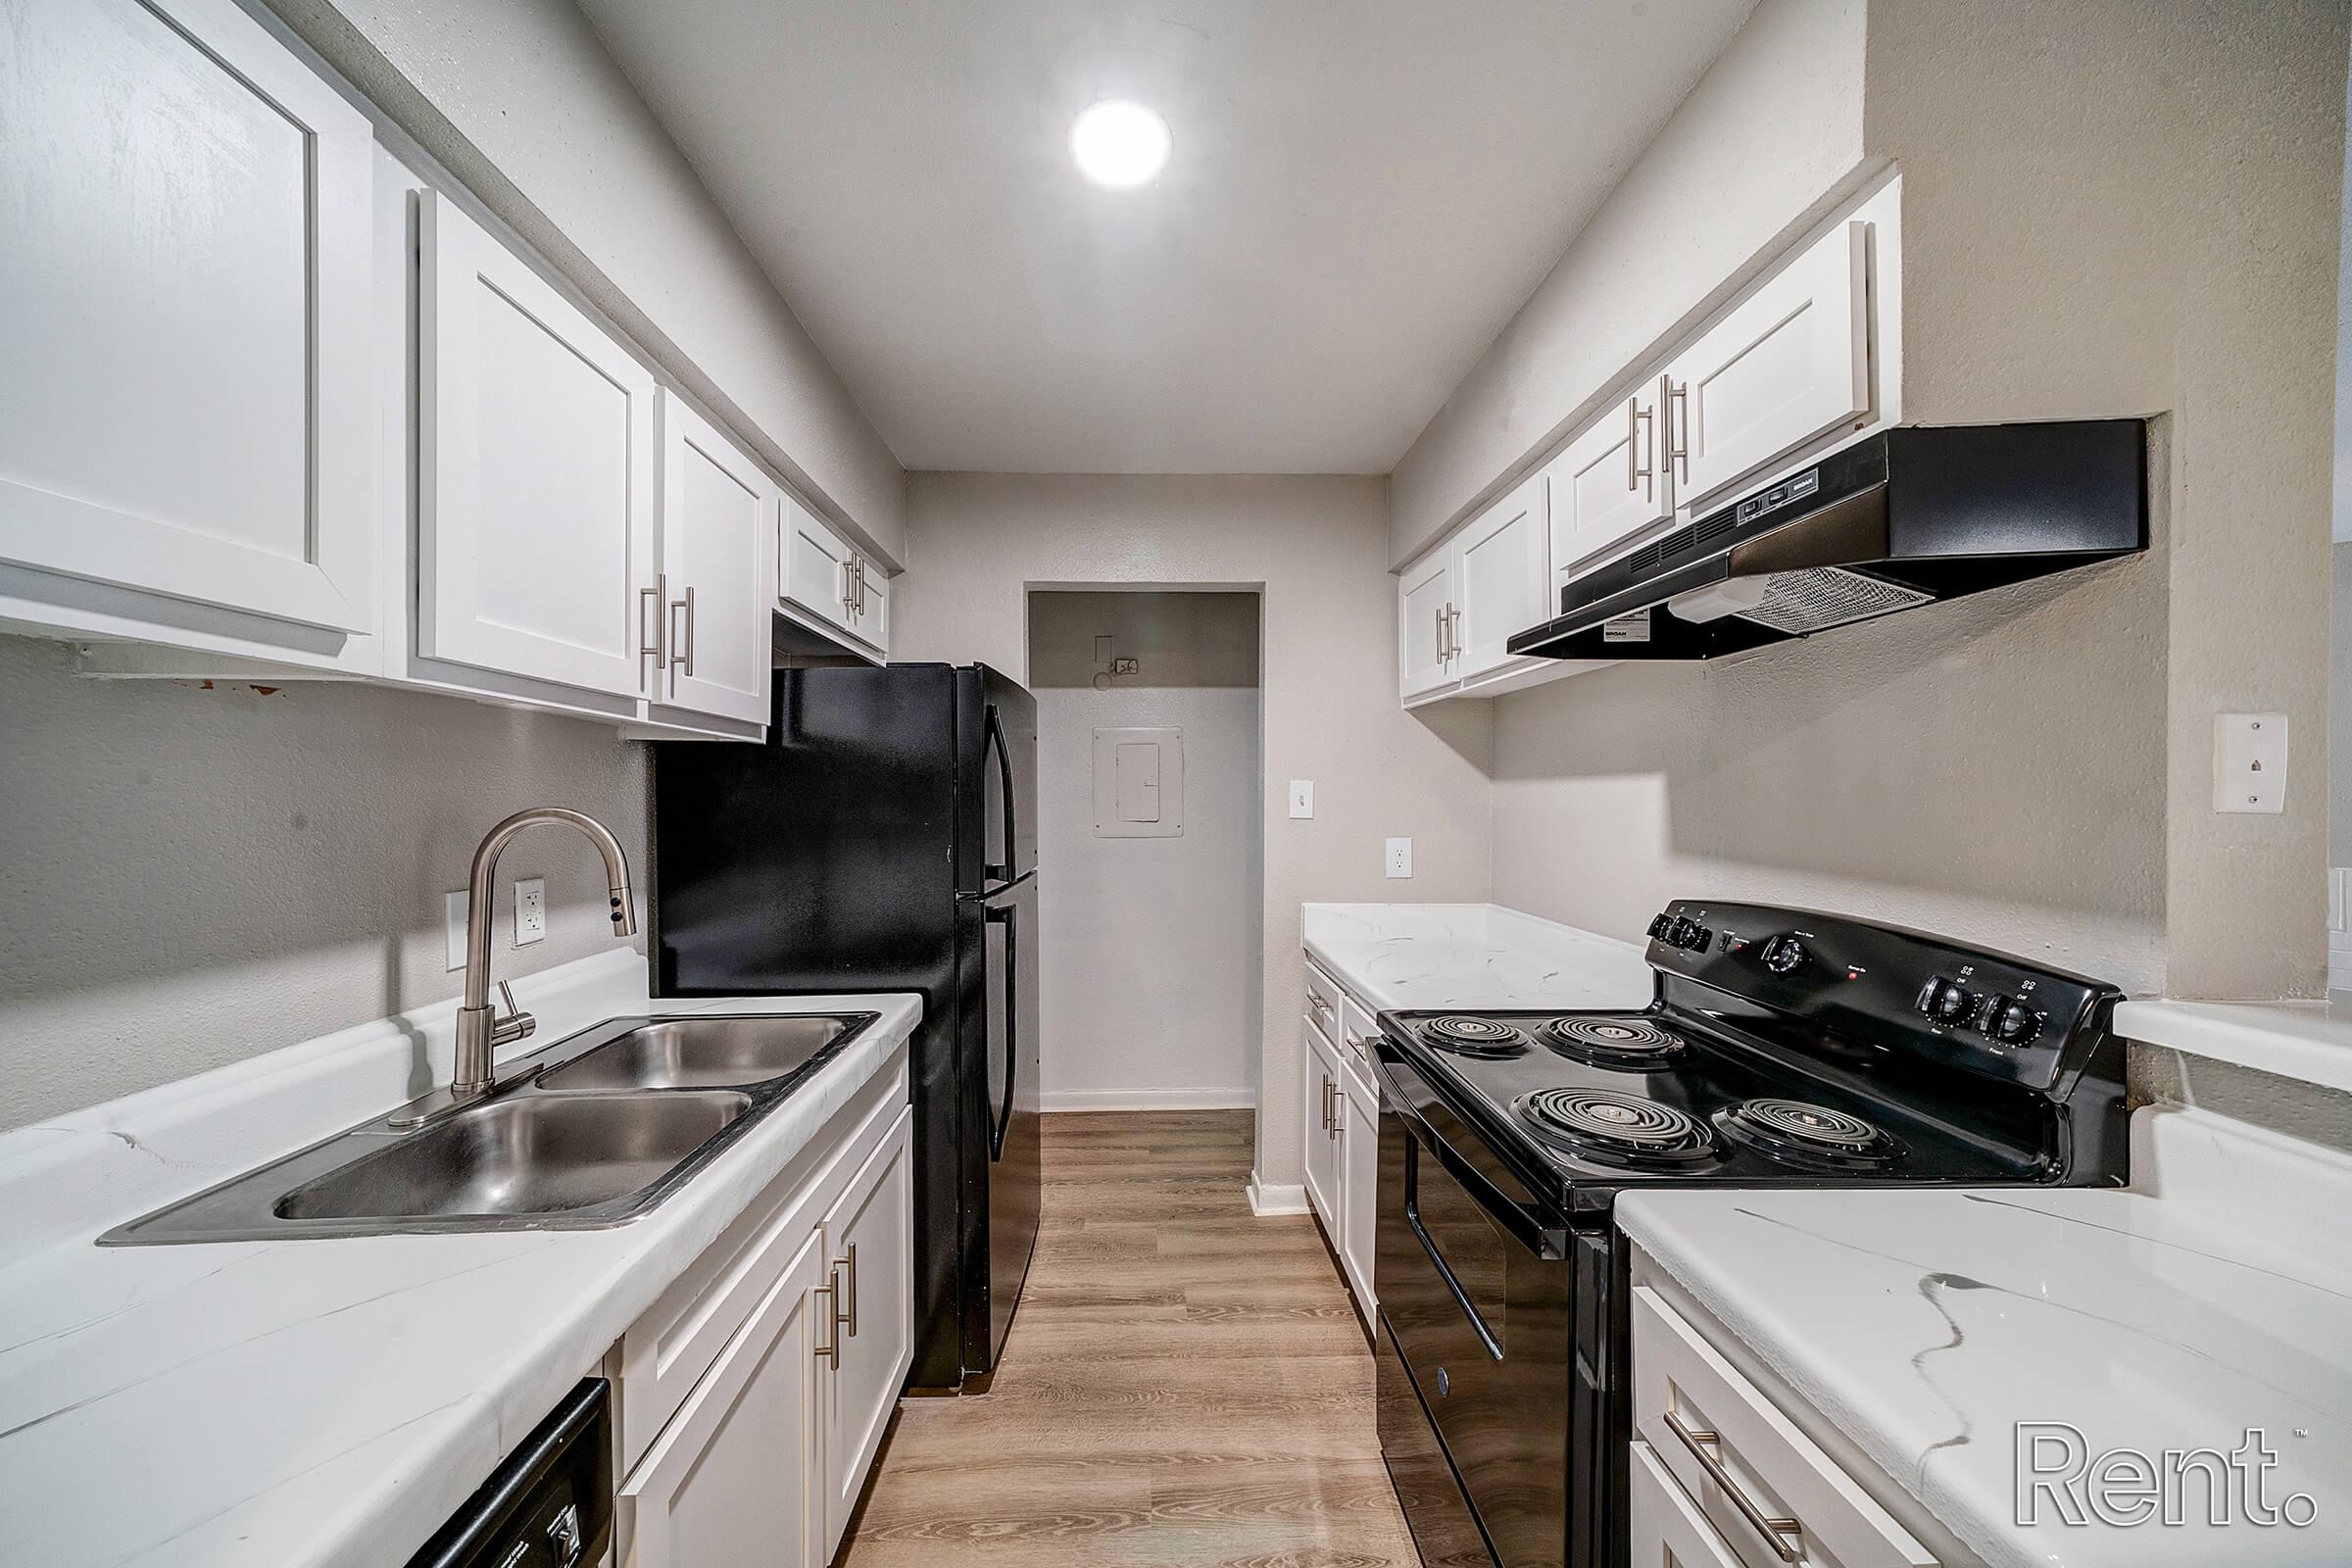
(1634, 1043)
(1797, 1133)
(1473, 1037)
(1618, 1129)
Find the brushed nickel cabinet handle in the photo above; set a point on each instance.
(830, 1352)
(651, 599)
(1637, 450)
(1678, 451)
(1703, 1446)
(849, 595)
(1454, 630)
(853, 1265)
(681, 645)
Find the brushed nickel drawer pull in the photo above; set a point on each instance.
(1702, 1446)
(853, 1262)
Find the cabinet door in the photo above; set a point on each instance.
(185, 266)
(1668, 1531)
(1789, 363)
(1322, 1145)
(535, 517)
(1499, 579)
(1607, 484)
(719, 541)
(1424, 624)
(816, 568)
(737, 1478)
(1359, 1186)
(870, 1245)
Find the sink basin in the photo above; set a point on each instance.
(535, 1154)
(725, 1053)
(591, 1130)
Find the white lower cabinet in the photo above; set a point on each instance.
(1322, 1151)
(1723, 1476)
(870, 1246)
(754, 1394)
(738, 1478)
(1341, 1134)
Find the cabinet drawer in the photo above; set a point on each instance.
(1668, 1531)
(1358, 1031)
(668, 1349)
(1323, 999)
(1768, 1489)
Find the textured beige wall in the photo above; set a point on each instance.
(192, 877)
(520, 100)
(2109, 209)
(1187, 639)
(1317, 548)
(1766, 143)
(2124, 207)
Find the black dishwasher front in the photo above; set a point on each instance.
(550, 1505)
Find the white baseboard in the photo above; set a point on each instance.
(1264, 1200)
(1149, 1099)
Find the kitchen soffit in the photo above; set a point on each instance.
(1363, 193)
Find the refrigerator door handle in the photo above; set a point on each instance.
(1007, 914)
(995, 740)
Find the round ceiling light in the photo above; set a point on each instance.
(1120, 144)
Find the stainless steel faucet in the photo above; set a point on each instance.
(481, 1030)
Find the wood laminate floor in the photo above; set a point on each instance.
(1186, 1385)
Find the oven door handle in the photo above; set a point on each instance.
(1529, 1227)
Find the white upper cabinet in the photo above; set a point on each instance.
(1787, 363)
(184, 314)
(1499, 579)
(817, 566)
(1424, 624)
(718, 544)
(1607, 485)
(535, 515)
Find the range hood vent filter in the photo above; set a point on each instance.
(1822, 597)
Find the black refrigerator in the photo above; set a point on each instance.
(884, 838)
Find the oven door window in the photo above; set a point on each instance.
(1470, 1252)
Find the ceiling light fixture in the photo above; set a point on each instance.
(1120, 144)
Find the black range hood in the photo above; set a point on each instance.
(1909, 516)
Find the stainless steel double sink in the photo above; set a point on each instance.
(590, 1132)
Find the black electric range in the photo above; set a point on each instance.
(1781, 1048)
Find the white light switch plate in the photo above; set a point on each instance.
(2249, 762)
(530, 911)
(1401, 856)
(453, 914)
(1302, 797)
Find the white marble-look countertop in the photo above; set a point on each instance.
(1470, 956)
(319, 1402)
(2214, 1296)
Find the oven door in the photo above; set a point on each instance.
(1477, 1301)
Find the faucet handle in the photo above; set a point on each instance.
(515, 1025)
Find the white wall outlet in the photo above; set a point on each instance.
(1401, 856)
(452, 915)
(2249, 762)
(530, 911)
(1302, 797)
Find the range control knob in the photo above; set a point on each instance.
(2010, 1022)
(1660, 926)
(1945, 1001)
(1783, 955)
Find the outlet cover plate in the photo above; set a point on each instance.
(1401, 858)
(1302, 797)
(2249, 762)
(530, 911)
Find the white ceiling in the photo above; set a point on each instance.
(1363, 193)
